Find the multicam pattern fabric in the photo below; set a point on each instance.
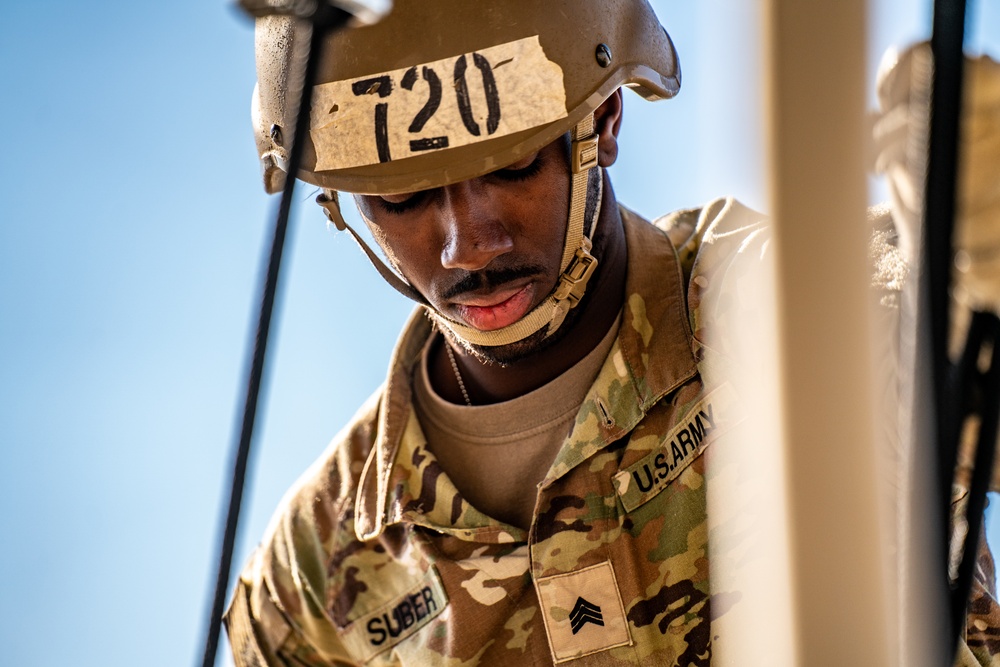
(374, 557)
(982, 624)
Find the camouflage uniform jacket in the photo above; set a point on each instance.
(374, 558)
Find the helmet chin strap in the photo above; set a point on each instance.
(576, 266)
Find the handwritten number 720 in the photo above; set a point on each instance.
(383, 87)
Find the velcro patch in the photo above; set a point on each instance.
(712, 416)
(434, 106)
(397, 619)
(583, 612)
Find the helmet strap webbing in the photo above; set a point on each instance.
(576, 266)
(330, 202)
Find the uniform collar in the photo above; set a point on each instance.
(652, 355)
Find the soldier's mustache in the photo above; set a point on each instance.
(489, 279)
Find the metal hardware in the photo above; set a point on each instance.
(603, 55)
(302, 9)
(363, 12)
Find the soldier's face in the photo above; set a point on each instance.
(485, 251)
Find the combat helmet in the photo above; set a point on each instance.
(440, 91)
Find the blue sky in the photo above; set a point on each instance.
(133, 223)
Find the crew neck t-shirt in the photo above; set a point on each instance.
(496, 455)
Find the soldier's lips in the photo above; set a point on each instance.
(498, 309)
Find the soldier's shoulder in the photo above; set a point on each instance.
(314, 516)
(716, 244)
(720, 217)
(713, 234)
(713, 238)
(274, 607)
(332, 480)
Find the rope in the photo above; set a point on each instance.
(939, 220)
(324, 19)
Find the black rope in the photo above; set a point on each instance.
(324, 19)
(939, 212)
(939, 220)
(962, 391)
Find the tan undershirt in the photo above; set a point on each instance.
(497, 454)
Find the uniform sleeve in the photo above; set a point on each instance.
(279, 616)
(247, 632)
(980, 644)
(982, 630)
(263, 634)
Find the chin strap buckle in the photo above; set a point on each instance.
(573, 281)
(585, 153)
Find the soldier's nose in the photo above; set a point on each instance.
(473, 234)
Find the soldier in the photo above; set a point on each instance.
(528, 487)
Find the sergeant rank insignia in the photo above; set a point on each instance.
(583, 612)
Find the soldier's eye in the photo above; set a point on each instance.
(517, 172)
(397, 204)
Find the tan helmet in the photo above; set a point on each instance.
(441, 91)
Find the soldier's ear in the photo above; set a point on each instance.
(607, 122)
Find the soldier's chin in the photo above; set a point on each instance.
(508, 355)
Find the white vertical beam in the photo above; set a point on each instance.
(815, 102)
